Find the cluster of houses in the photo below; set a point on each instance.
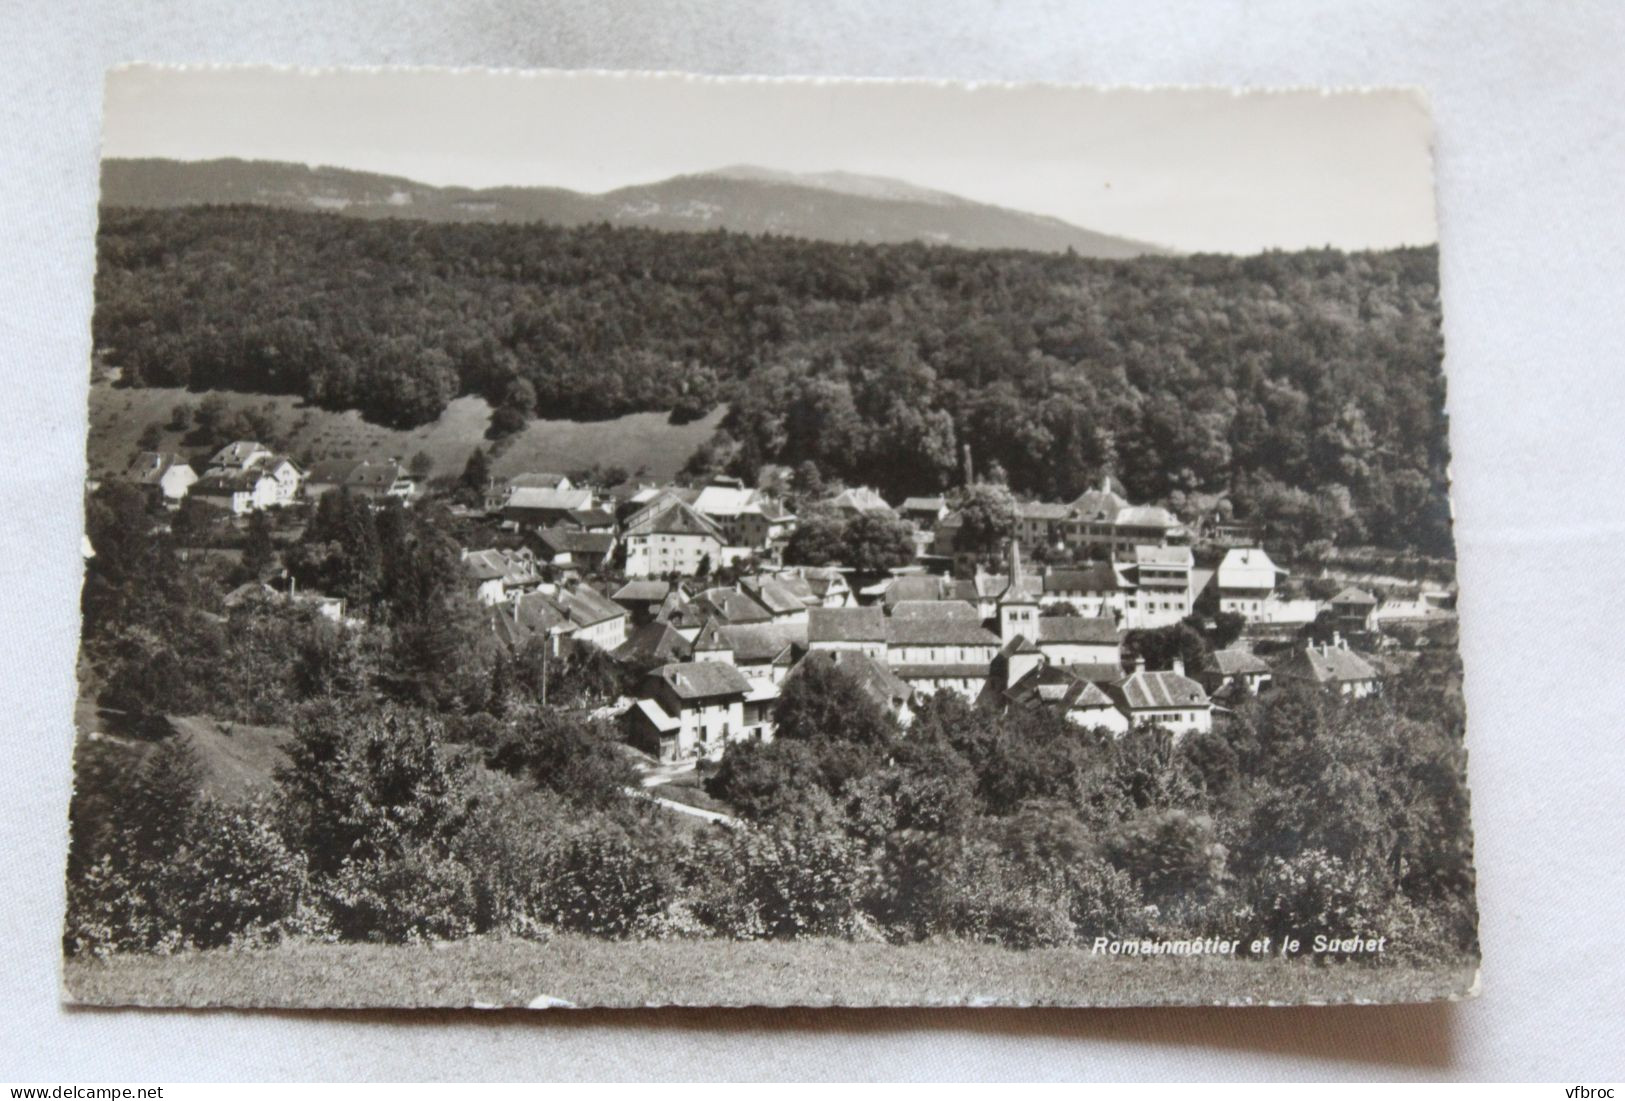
(718, 657)
(246, 476)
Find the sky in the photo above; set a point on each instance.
(1192, 169)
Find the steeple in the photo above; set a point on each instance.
(1018, 610)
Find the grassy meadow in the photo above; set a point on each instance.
(493, 972)
(118, 416)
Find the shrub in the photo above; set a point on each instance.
(604, 882)
(234, 880)
(782, 882)
(415, 896)
(1316, 892)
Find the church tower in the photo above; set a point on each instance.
(1018, 608)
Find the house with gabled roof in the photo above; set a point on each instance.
(1229, 671)
(856, 628)
(239, 455)
(1162, 586)
(1245, 583)
(762, 651)
(826, 585)
(642, 597)
(1354, 610)
(237, 491)
(597, 618)
(571, 546)
(784, 601)
(670, 537)
(498, 573)
(1096, 589)
(924, 512)
(747, 517)
(529, 617)
(1041, 523)
(731, 606)
(372, 479)
(540, 507)
(691, 709)
(1333, 666)
(1166, 698)
(654, 643)
(1080, 700)
(1079, 640)
(165, 476)
(858, 500)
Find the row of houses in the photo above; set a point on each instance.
(246, 476)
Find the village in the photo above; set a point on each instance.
(698, 588)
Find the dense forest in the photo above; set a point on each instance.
(1305, 386)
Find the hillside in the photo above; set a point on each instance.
(119, 415)
(826, 206)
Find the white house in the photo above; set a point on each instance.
(669, 537)
(1162, 579)
(1245, 583)
(1164, 698)
(1079, 640)
(691, 709)
(237, 491)
(164, 475)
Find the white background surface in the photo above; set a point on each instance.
(1531, 158)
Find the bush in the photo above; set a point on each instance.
(235, 880)
(412, 897)
(785, 882)
(1316, 892)
(603, 882)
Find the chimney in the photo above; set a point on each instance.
(1337, 640)
(1179, 667)
(1139, 663)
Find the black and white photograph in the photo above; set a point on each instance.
(590, 539)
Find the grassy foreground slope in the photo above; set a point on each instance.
(583, 971)
(118, 416)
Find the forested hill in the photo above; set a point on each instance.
(822, 206)
(1309, 384)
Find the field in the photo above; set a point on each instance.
(119, 415)
(490, 972)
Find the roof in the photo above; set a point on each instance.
(912, 587)
(1247, 568)
(924, 504)
(654, 642)
(669, 516)
(1096, 672)
(1352, 595)
(355, 473)
(539, 480)
(1234, 663)
(935, 609)
(1150, 690)
(562, 540)
(656, 715)
(942, 670)
(485, 565)
(710, 638)
(228, 481)
(846, 625)
(1178, 557)
(1057, 686)
(757, 642)
(1098, 578)
(252, 592)
(1042, 510)
(1102, 504)
(1099, 630)
(860, 499)
(1328, 665)
(592, 517)
(642, 590)
(149, 467)
(775, 595)
(727, 500)
(586, 606)
(551, 500)
(529, 614)
(939, 632)
(237, 452)
(692, 680)
(733, 606)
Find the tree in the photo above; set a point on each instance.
(819, 538)
(987, 518)
(259, 549)
(876, 541)
(476, 477)
(365, 785)
(422, 465)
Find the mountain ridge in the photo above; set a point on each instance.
(834, 206)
